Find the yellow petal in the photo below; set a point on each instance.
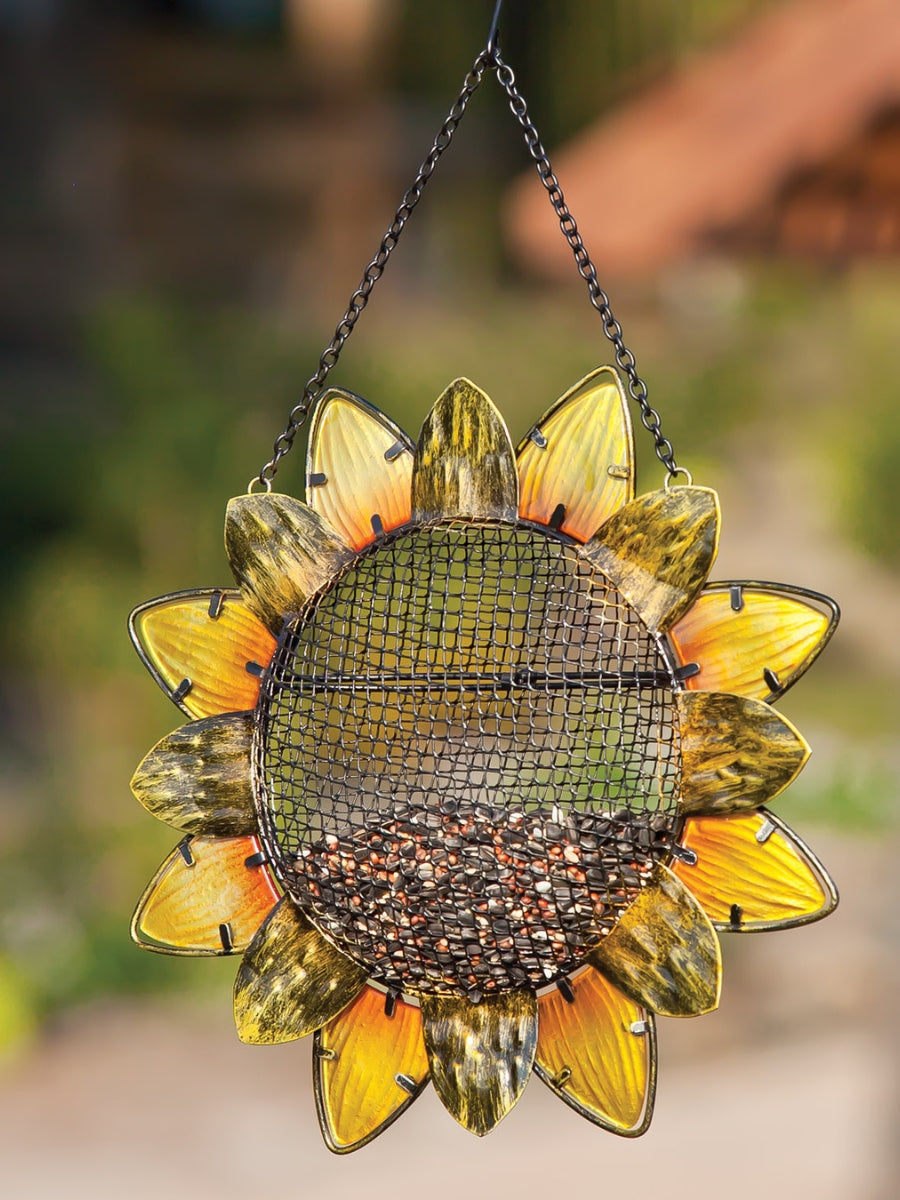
(753, 639)
(597, 1052)
(576, 466)
(210, 896)
(368, 1068)
(663, 952)
(735, 752)
(281, 553)
(198, 778)
(464, 465)
(658, 551)
(205, 649)
(480, 1054)
(753, 873)
(359, 468)
(292, 980)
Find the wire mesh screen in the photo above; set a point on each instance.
(467, 758)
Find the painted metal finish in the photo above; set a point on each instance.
(658, 551)
(464, 465)
(736, 753)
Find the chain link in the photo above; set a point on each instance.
(372, 274)
(637, 388)
(488, 58)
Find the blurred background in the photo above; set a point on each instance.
(190, 191)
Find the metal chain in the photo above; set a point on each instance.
(637, 388)
(372, 274)
(488, 58)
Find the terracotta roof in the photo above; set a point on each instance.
(706, 147)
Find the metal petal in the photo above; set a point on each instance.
(464, 466)
(480, 1054)
(597, 1052)
(204, 648)
(752, 873)
(663, 952)
(198, 778)
(292, 980)
(735, 752)
(753, 639)
(210, 896)
(281, 553)
(369, 1064)
(658, 551)
(576, 466)
(359, 468)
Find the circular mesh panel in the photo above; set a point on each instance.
(467, 760)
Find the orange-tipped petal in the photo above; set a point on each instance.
(658, 551)
(597, 1052)
(210, 896)
(576, 466)
(753, 639)
(281, 553)
(204, 648)
(464, 465)
(663, 952)
(359, 468)
(753, 873)
(736, 753)
(480, 1054)
(369, 1064)
(292, 980)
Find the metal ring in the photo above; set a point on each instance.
(267, 484)
(673, 474)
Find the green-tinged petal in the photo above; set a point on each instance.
(480, 1054)
(658, 551)
(281, 553)
(664, 952)
(204, 648)
(576, 466)
(597, 1052)
(198, 778)
(292, 980)
(465, 466)
(735, 752)
(210, 896)
(359, 469)
(369, 1064)
(753, 639)
(750, 873)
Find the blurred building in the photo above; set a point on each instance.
(785, 140)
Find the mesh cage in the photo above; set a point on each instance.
(467, 761)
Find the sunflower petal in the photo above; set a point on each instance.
(735, 752)
(663, 952)
(359, 468)
(204, 648)
(292, 980)
(368, 1067)
(198, 778)
(753, 639)
(209, 897)
(753, 873)
(464, 465)
(480, 1054)
(658, 551)
(598, 1054)
(281, 553)
(576, 466)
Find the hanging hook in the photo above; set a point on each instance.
(493, 44)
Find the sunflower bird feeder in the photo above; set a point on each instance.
(477, 757)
